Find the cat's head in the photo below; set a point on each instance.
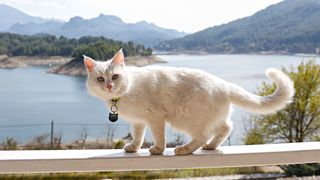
(109, 79)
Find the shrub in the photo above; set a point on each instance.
(119, 144)
(9, 144)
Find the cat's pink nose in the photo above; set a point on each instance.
(109, 86)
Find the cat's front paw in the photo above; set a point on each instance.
(180, 150)
(130, 148)
(156, 150)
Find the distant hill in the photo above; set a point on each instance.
(292, 26)
(10, 16)
(48, 27)
(112, 27)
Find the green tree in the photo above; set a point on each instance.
(299, 121)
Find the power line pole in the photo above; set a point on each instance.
(51, 137)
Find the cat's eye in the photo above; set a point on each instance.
(115, 76)
(100, 79)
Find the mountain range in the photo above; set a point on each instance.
(15, 21)
(291, 26)
(10, 16)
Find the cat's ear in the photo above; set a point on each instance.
(118, 58)
(89, 62)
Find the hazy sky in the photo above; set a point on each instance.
(183, 15)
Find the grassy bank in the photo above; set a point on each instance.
(137, 174)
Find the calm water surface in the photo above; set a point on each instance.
(30, 98)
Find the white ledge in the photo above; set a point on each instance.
(118, 160)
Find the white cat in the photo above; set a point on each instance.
(192, 101)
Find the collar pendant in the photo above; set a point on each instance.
(113, 115)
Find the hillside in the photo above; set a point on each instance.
(112, 27)
(292, 26)
(47, 45)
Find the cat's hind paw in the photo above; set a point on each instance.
(180, 150)
(208, 147)
(156, 150)
(130, 148)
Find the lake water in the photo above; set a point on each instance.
(30, 98)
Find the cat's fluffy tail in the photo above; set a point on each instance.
(265, 104)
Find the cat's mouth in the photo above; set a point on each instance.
(111, 90)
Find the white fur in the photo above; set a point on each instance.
(192, 101)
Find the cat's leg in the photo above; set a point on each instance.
(190, 147)
(197, 141)
(220, 135)
(138, 131)
(158, 134)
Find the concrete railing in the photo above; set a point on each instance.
(46, 161)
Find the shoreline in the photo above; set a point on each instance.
(66, 65)
(7, 62)
(203, 53)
